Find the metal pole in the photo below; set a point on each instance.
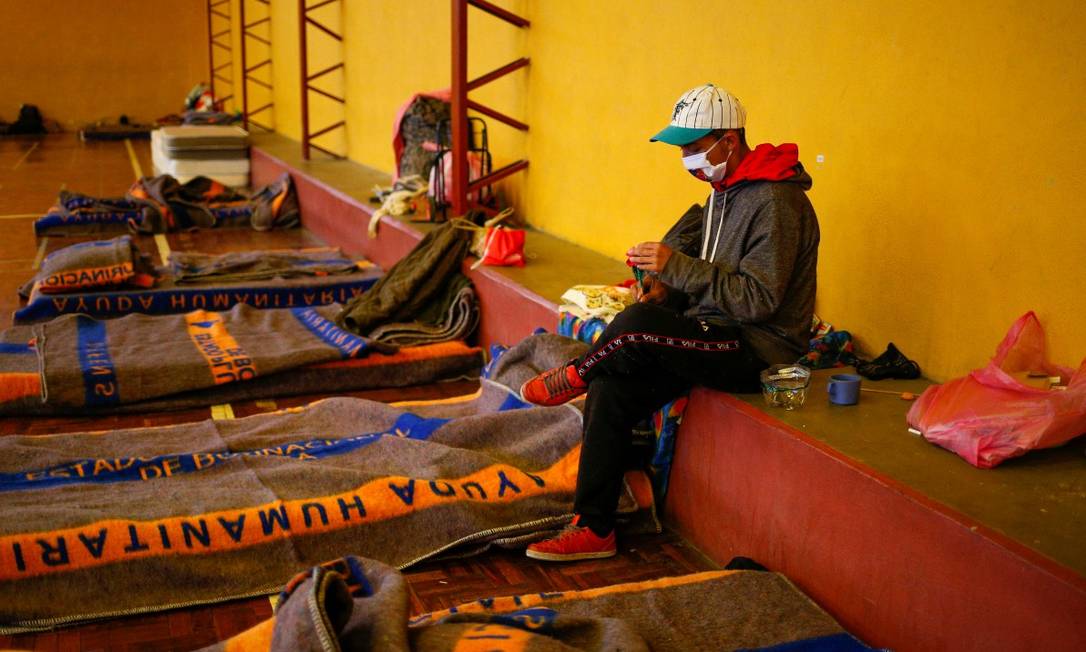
(498, 12)
(459, 109)
(244, 68)
(210, 51)
(305, 80)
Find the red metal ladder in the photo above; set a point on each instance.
(215, 40)
(304, 20)
(247, 76)
(460, 184)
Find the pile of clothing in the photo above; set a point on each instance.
(162, 204)
(28, 123)
(830, 348)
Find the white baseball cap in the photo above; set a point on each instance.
(699, 111)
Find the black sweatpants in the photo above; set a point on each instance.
(646, 357)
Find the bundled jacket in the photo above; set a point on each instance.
(167, 204)
(753, 261)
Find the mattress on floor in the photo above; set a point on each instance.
(233, 173)
(169, 297)
(175, 141)
(225, 159)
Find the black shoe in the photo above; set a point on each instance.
(891, 364)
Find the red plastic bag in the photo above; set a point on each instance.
(992, 414)
(504, 247)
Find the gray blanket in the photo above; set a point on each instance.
(360, 604)
(87, 363)
(412, 285)
(453, 316)
(216, 510)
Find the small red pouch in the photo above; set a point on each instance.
(504, 247)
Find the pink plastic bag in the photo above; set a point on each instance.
(992, 415)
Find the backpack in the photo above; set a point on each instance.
(417, 128)
(28, 122)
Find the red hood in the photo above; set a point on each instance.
(765, 163)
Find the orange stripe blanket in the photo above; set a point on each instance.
(137, 520)
(355, 604)
(76, 364)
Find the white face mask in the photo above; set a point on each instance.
(699, 162)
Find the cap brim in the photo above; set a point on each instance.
(680, 136)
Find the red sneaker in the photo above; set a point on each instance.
(573, 544)
(554, 387)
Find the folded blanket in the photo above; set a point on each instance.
(211, 511)
(192, 267)
(452, 316)
(355, 603)
(88, 266)
(86, 363)
(412, 285)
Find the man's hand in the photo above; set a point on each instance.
(650, 256)
(650, 290)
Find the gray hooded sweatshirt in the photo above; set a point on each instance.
(753, 261)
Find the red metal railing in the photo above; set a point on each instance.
(215, 40)
(247, 76)
(460, 185)
(304, 20)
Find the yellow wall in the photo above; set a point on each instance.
(82, 61)
(324, 51)
(949, 192)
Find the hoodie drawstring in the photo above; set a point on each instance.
(707, 230)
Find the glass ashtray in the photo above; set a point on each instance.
(785, 385)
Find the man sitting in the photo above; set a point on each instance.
(730, 290)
